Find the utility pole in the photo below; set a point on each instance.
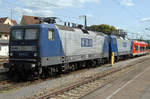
(11, 13)
(132, 35)
(85, 20)
(137, 36)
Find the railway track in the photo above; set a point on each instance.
(8, 85)
(86, 86)
(75, 90)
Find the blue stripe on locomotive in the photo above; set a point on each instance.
(106, 45)
(50, 48)
(131, 46)
(113, 44)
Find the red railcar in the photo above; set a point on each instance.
(139, 48)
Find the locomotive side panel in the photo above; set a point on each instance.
(80, 46)
(51, 50)
(113, 45)
(124, 47)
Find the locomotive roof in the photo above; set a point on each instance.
(61, 27)
(33, 26)
(140, 42)
(65, 28)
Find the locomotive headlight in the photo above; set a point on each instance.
(11, 54)
(35, 54)
(33, 65)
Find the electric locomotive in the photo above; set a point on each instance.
(41, 50)
(45, 49)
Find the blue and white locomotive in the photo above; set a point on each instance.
(46, 49)
(122, 48)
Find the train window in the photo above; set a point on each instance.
(142, 48)
(136, 48)
(51, 35)
(31, 34)
(17, 34)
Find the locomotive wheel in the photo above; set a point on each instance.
(117, 58)
(13, 74)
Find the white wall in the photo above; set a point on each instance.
(3, 37)
(3, 50)
(8, 21)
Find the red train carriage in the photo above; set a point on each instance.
(139, 48)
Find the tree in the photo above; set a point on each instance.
(107, 29)
(140, 39)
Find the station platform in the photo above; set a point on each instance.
(132, 85)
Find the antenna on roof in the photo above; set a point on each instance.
(50, 20)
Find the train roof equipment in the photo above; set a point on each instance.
(49, 20)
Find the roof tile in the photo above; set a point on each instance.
(29, 20)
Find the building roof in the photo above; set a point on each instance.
(29, 20)
(4, 28)
(2, 20)
(14, 22)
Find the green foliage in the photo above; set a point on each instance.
(139, 40)
(103, 28)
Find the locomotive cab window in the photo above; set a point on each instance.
(17, 34)
(51, 35)
(31, 34)
(24, 34)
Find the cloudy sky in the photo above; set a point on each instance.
(131, 15)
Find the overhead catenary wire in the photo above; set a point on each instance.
(130, 13)
(73, 18)
(22, 12)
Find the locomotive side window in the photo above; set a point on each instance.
(17, 34)
(51, 35)
(31, 34)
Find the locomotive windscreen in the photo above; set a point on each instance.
(17, 34)
(24, 34)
